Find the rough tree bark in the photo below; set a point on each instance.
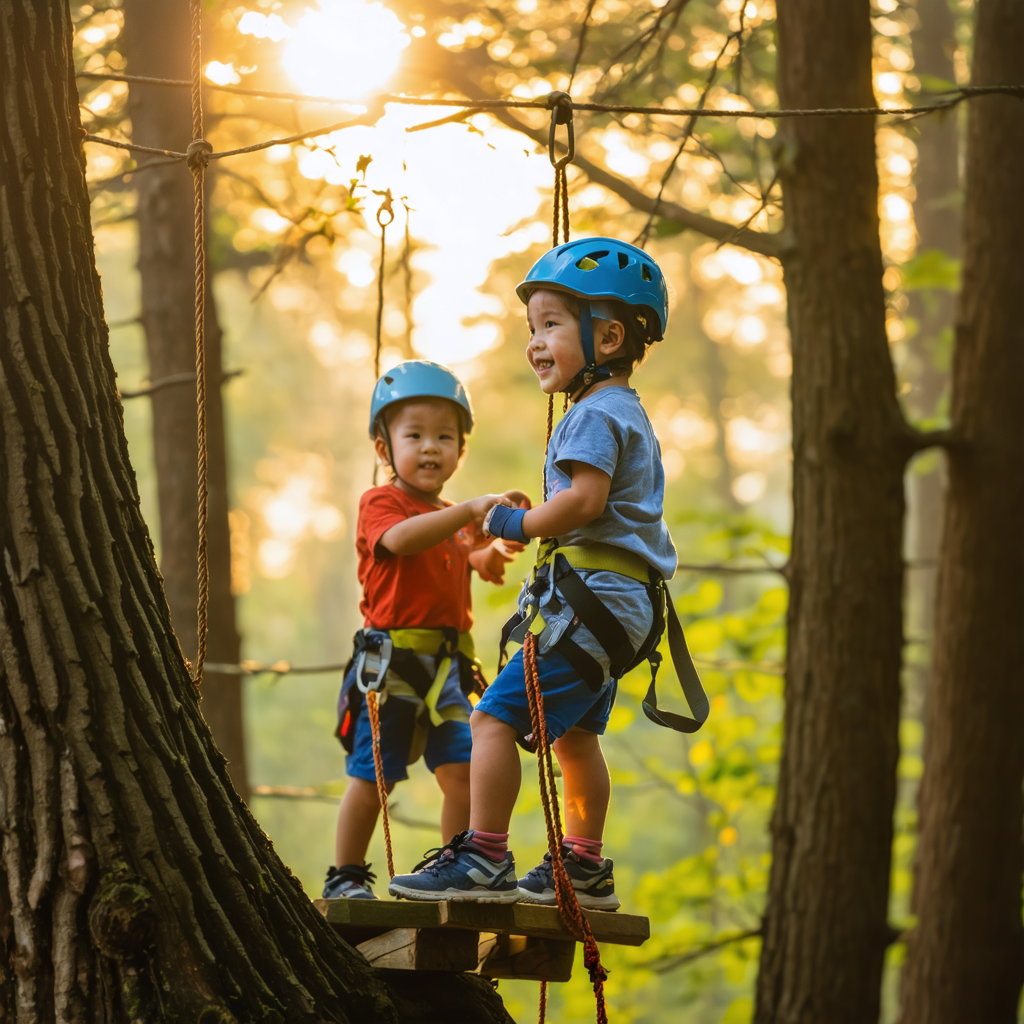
(965, 958)
(156, 38)
(825, 925)
(938, 221)
(134, 884)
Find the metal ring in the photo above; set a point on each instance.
(560, 104)
(384, 223)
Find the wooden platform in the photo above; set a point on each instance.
(512, 940)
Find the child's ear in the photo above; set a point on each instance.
(381, 448)
(611, 336)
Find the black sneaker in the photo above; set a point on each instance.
(349, 882)
(594, 884)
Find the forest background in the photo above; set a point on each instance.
(294, 246)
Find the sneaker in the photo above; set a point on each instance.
(349, 882)
(458, 872)
(594, 884)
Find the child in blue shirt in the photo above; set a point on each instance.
(593, 307)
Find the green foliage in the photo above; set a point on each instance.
(931, 268)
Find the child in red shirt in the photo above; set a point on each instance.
(415, 553)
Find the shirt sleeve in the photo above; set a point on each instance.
(379, 511)
(592, 438)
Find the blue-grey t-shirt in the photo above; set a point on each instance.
(610, 430)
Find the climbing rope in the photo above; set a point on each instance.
(385, 208)
(198, 155)
(378, 771)
(565, 895)
(568, 904)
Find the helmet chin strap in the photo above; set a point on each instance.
(591, 373)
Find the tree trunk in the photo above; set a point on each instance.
(156, 35)
(134, 884)
(825, 927)
(937, 217)
(965, 958)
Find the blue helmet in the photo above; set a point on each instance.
(419, 378)
(603, 268)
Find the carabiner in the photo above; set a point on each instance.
(560, 105)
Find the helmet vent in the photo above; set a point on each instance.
(623, 261)
(389, 380)
(645, 272)
(589, 262)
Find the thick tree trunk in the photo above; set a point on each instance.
(156, 35)
(965, 958)
(825, 927)
(134, 884)
(938, 221)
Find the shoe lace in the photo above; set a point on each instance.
(431, 857)
(358, 873)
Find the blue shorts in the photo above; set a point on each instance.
(568, 701)
(448, 743)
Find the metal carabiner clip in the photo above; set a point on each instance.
(375, 664)
(560, 105)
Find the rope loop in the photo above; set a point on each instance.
(386, 207)
(560, 105)
(197, 156)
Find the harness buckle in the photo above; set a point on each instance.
(374, 664)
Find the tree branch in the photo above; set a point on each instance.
(669, 963)
(756, 241)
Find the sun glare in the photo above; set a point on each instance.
(345, 49)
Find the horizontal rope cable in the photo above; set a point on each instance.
(955, 96)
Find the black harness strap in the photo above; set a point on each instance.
(689, 681)
(592, 612)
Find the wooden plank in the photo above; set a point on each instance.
(525, 957)
(423, 949)
(500, 918)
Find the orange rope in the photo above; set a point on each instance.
(197, 156)
(378, 770)
(568, 904)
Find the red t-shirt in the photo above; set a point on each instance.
(429, 590)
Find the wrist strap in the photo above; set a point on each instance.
(507, 523)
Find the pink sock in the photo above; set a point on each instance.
(585, 849)
(493, 845)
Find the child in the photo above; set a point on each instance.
(593, 307)
(415, 551)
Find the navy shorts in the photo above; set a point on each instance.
(568, 701)
(448, 743)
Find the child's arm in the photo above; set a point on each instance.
(418, 533)
(568, 510)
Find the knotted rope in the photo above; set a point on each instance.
(197, 156)
(378, 770)
(568, 904)
(565, 895)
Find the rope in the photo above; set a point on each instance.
(568, 905)
(198, 154)
(954, 96)
(385, 208)
(378, 771)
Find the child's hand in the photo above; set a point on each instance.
(479, 507)
(490, 562)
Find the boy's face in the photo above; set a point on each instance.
(555, 351)
(425, 442)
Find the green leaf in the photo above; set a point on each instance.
(931, 268)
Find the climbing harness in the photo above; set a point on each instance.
(558, 568)
(376, 652)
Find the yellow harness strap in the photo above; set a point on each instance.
(428, 642)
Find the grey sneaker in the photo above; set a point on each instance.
(594, 884)
(349, 882)
(457, 871)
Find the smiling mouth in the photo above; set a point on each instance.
(540, 365)
(430, 465)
